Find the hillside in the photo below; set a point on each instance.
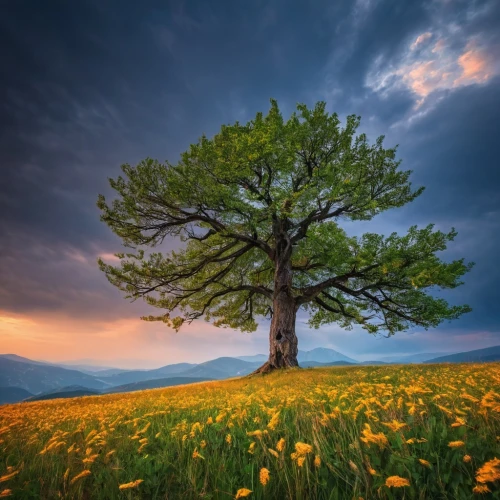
(13, 394)
(21, 359)
(478, 355)
(37, 378)
(414, 358)
(278, 436)
(74, 391)
(323, 355)
(155, 384)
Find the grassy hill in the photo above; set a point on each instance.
(38, 377)
(416, 431)
(155, 384)
(74, 391)
(477, 356)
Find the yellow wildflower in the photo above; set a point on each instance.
(394, 425)
(90, 459)
(243, 492)
(424, 462)
(228, 439)
(197, 455)
(264, 476)
(220, 417)
(203, 443)
(8, 476)
(280, 446)
(274, 453)
(274, 421)
(481, 488)
(133, 484)
(317, 461)
(458, 422)
(84, 473)
(456, 444)
(489, 472)
(396, 482)
(5, 493)
(256, 433)
(379, 439)
(303, 448)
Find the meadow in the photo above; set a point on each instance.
(389, 432)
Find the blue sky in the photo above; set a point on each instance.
(91, 85)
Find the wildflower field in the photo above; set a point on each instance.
(419, 431)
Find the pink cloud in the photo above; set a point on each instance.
(420, 39)
(123, 342)
(439, 68)
(475, 66)
(109, 256)
(439, 46)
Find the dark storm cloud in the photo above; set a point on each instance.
(90, 85)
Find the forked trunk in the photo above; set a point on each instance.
(283, 343)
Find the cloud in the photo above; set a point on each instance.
(430, 71)
(420, 39)
(458, 48)
(97, 85)
(476, 66)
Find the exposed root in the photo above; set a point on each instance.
(265, 368)
(268, 368)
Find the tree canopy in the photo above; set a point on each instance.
(268, 195)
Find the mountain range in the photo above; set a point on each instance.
(23, 379)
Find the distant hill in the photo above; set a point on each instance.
(73, 391)
(88, 369)
(21, 359)
(173, 369)
(13, 395)
(414, 358)
(323, 355)
(221, 368)
(478, 355)
(128, 377)
(231, 367)
(256, 358)
(108, 371)
(37, 378)
(134, 376)
(156, 384)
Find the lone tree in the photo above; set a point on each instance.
(258, 207)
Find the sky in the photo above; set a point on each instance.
(87, 86)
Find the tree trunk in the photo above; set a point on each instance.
(283, 341)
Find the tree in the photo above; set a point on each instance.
(258, 208)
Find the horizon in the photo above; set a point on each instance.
(96, 364)
(89, 87)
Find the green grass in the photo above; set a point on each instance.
(154, 434)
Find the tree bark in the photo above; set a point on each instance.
(283, 343)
